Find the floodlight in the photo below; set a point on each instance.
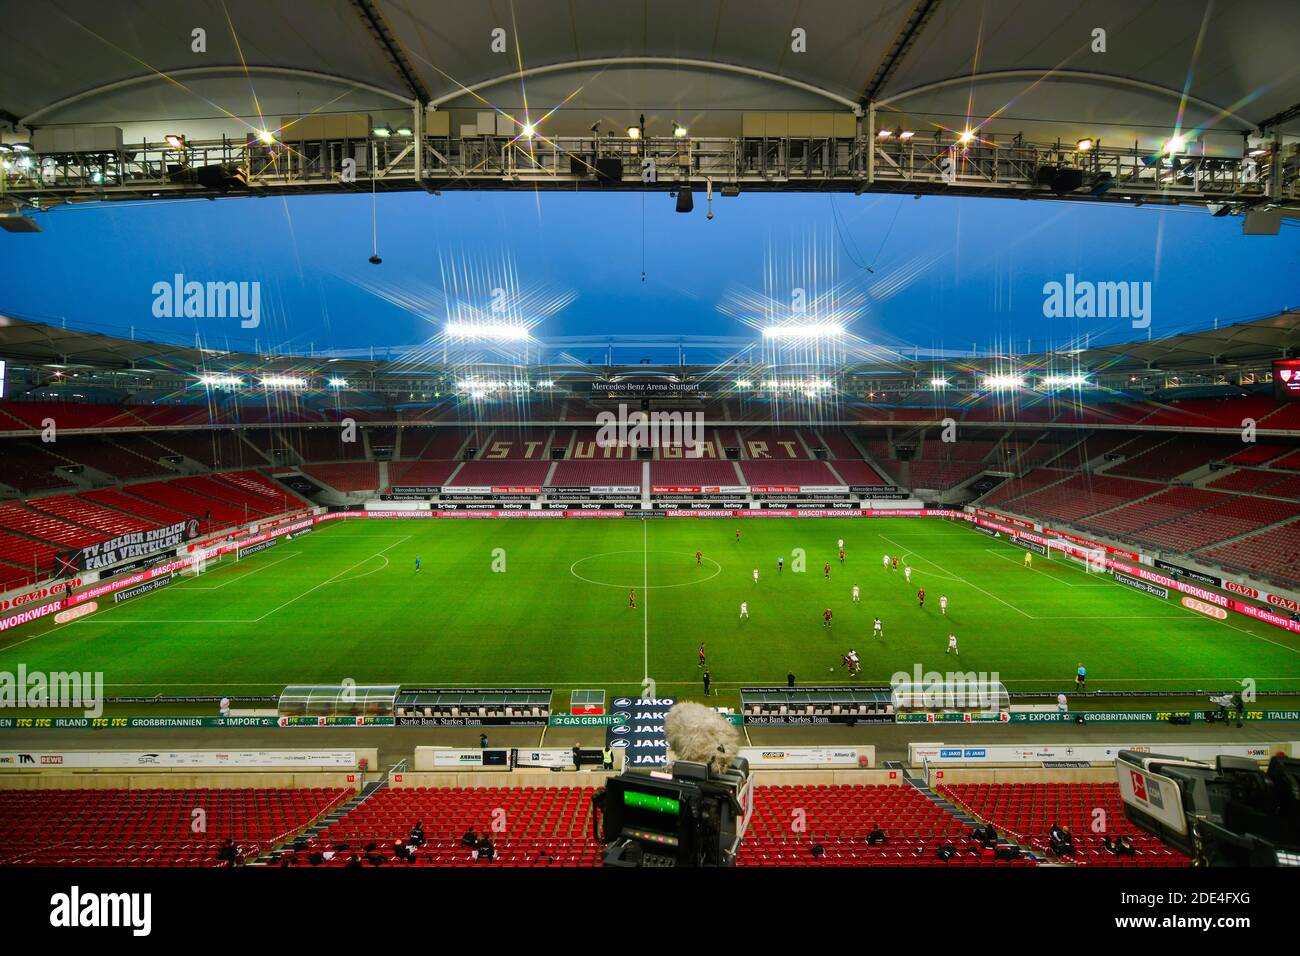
(939, 383)
(174, 140)
(966, 138)
(905, 134)
(885, 134)
(1176, 144)
(1003, 381)
(338, 383)
(1084, 145)
(282, 381)
(679, 131)
(381, 132)
(813, 331)
(265, 136)
(488, 330)
(215, 381)
(22, 147)
(634, 132)
(529, 130)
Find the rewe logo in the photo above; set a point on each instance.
(1084, 299)
(208, 300)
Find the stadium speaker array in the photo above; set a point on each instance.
(470, 453)
(609, 169)
(1060, 179)
(557, 454)
(819, 453)
(733, 454)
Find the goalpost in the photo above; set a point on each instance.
(1091, 560)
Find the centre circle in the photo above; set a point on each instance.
(631, 569)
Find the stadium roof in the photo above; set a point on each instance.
(87, 61)
(1242, 344)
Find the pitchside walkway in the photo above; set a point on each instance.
(394, 744)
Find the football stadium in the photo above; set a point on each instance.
(450, 437)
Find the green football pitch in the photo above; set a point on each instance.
(545, 603)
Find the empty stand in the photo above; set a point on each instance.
(346, 476)
(1029, 810)
(149, 827)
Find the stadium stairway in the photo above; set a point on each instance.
(305, 839)
(961, 813)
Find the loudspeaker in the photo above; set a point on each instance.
(733, 454)
(609, 169)
(469, 454)
(684, 201)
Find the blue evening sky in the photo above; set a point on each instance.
(948, 272)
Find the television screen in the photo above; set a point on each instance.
(1286, 379)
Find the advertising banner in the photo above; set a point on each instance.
(147, 759)
(136, 544)
(640, 734)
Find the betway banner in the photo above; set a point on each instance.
(136, 544)
(1178, 571)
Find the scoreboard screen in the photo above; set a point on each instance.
(1286, 379)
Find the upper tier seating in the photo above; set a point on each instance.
(1172, 458)
(327, 444)
(776, 444)
(150, 827)
(29, 466)
(346, 476)
(524, 444)
(941, 475)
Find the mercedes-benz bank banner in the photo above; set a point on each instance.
(641, 733)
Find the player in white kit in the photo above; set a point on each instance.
(856, 599)
(744, 609)
(943, 603)
(952, 645)
(756, 575)
(885, 562)
(877, 630)
(907, 573)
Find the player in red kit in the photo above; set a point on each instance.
(826, 618)
(827, 569)
(894, 566)
(920, 598)
(631, 599)
(841, 555)
(701, 653)
(697, 557)
(737, 536)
